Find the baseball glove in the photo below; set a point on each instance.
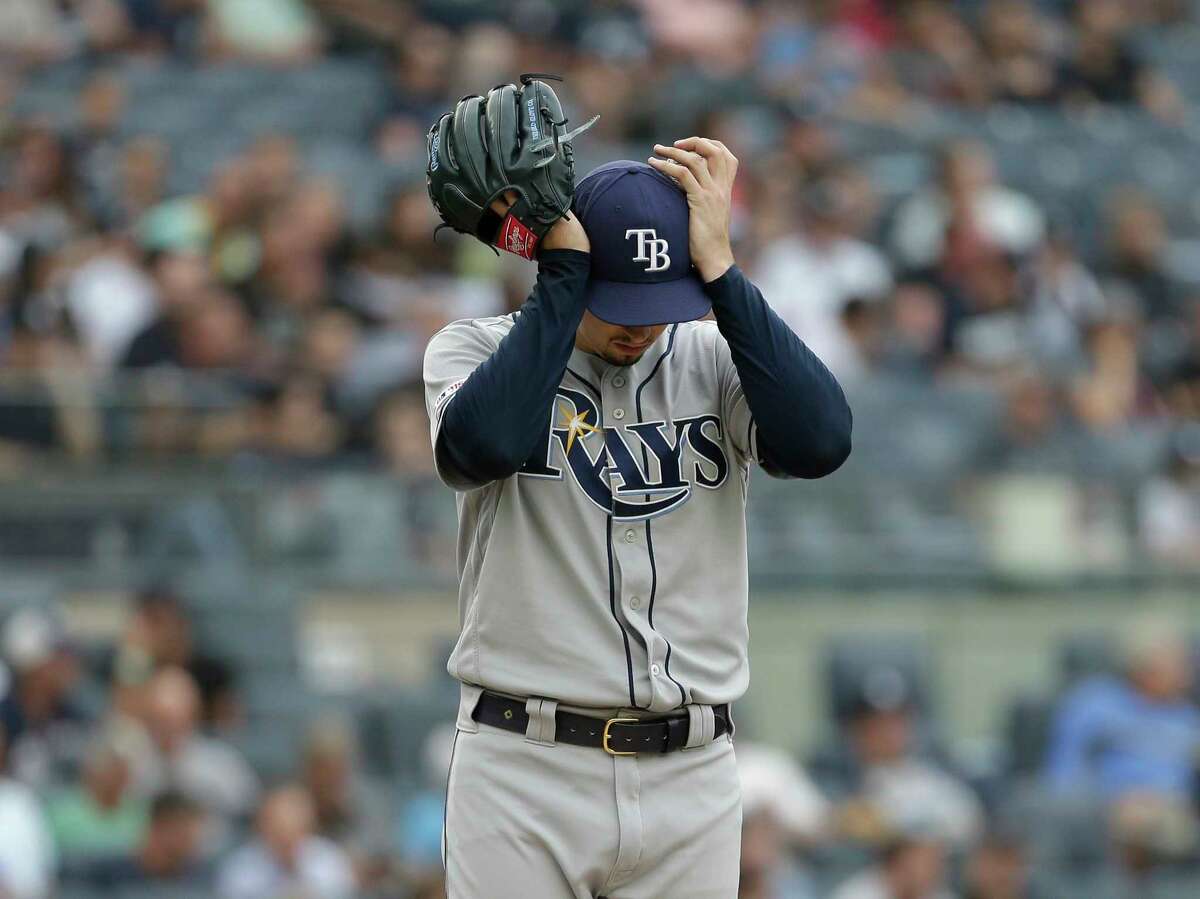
(514, 139)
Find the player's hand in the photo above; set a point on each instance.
(705, 169)
(565, 234)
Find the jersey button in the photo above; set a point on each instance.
(619, 381)
(635, 602)
(630, 535)
(618, 414)
(655, 670)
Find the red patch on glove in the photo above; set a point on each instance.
(516, 238)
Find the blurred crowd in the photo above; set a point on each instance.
(122, 772)
(260, 318)
(1098, 799)
(125, 771)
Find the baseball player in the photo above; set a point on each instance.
(600, 442)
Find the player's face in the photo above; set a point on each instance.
(615, 344)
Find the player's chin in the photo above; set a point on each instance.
(627, 353)
(624, 357)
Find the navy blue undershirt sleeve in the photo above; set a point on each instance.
(497, 417)
(801, 414)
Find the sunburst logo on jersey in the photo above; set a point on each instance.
(635, 472)
(575, 425)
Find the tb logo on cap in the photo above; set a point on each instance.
(650, 248)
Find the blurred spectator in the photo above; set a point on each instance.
(94, 143)
(1136, 731)
(26, 847)
(34, 32)
(110, 300)
(1032, 435)
(988, 326)
(159, 634)
(44, 726)
(1022, 46)
(100, 816)
(939, 58)
(822, 53)
(167, 856)
(287, 860)
(1182, 376)
(399, 432)
(1103, 68)
(346, 811)
(916, 331)
(1137, 252)
(863, 322)
(782, 811)
(1111, 392)
(208, 771)
(47, 398)
(161, 25)
(39, 202)
(1150, 834)
(998, 867)
(181, 282)
(282, 32)
(964, 216)
(810, 276)
(1064, 301)
(1169, 504)
(910, 866)
(419, 87)
(293, 424)
(889, 782)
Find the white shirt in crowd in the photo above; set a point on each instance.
(110, 300)
(870, 884)
(808, 285)
(26, 847)
(1169, 512)
(321, 871)
(1006, 218)
(913, 793)
(206, 770)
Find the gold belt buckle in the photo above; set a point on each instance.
(607, 725)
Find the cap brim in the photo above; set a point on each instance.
(638, 305)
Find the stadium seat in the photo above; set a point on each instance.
(1027, 730)
(1083, 655)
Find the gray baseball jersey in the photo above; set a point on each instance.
(611, 570)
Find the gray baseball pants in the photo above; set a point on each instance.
(529, 818)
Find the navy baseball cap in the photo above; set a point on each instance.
(637, 222)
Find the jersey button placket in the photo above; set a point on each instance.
(630, 535)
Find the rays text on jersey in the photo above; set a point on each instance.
(634, 472)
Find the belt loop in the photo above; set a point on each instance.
(541, 727)
(468, 698)
(701, 726)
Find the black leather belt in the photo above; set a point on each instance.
(616, 736)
